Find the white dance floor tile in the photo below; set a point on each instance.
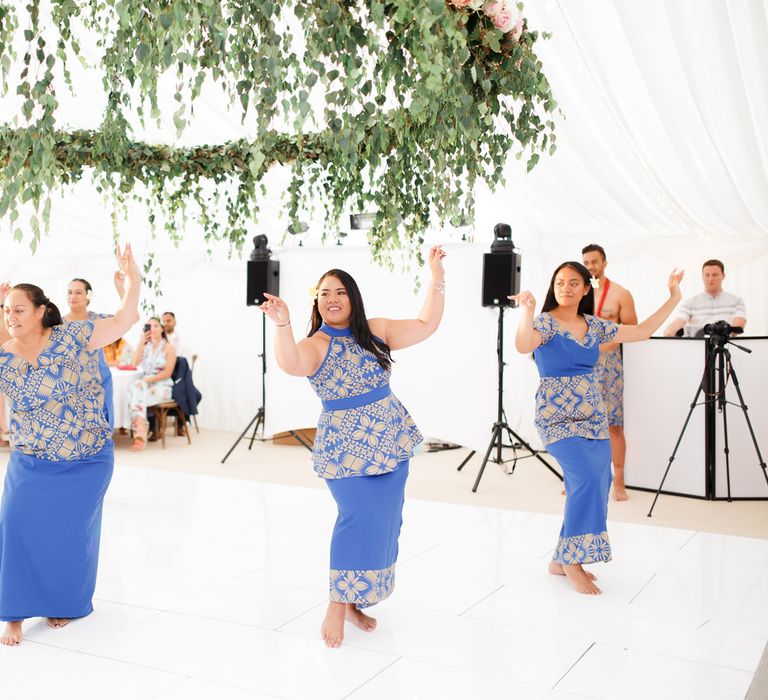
(612, 672)
(243, 656)
(215, 588)
(408, 678)
(35, 670)
(510, 653)
(193, 689)
(111, 618)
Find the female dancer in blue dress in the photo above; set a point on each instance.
(365, 437)
(95, 368)
(61, 460)
(570, 416)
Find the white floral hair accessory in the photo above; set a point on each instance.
(314, 292)
(89, 294)
(594, 282)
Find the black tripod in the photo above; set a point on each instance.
(258, 419)
(718, 360)
(500, 427)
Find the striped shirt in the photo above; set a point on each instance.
(704, 308)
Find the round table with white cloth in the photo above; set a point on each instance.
(121, 382)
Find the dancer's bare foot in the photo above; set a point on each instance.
(332, 629)
(619, 492)
(557, 570)
(360, 619)
(11, 634)
(57, 622)
(580, 580)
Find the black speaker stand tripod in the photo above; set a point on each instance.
(501, 427)
(258, 420)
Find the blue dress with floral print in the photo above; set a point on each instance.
(364, 440)
(59, 470)
(363, 429)
(571, 420)
(97, 376)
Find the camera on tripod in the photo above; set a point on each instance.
(719, 331)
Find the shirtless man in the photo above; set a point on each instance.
(613, 303)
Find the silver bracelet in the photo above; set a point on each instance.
(438, 286)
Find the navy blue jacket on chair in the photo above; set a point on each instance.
(184, 391)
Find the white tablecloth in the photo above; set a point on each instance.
(121, 381)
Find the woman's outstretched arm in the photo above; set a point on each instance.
(398, 334)
(300, 359)
(527, 338)
(644, 330)
(108, 330)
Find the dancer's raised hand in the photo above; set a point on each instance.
(435, 262)
(675, 277)
(524, 299)
(276, 310)
(127, 268)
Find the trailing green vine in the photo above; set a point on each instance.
(392, 107)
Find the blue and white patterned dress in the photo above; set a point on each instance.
(571, 421)
(363, 430)
(60, 466)
(97, 376)
(364, 440)
(609, 372)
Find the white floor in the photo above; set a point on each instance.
(215, 588)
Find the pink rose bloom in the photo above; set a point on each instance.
(505, 16)
(492, 8)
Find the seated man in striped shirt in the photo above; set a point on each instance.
(713, 304)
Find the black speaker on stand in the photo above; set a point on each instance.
(263, 277)
(501, 279)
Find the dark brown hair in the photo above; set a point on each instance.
(715, 263)
(587, 303)
(52, 315)
(594, 248)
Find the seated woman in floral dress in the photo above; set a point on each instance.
(156, 359)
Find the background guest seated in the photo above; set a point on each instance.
(168, 320)
(713, 304)
(156, 358)
(119, 353)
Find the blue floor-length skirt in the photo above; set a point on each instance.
(586, 468)
(50, 524)
(364, 544)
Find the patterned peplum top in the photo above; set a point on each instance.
(363, 430)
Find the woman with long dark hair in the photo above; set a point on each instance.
(62, 456)
(570, 415)
(365, 437)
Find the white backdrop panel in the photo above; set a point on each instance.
(660, 380)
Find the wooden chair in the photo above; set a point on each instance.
(192, 372)
(160, 411)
